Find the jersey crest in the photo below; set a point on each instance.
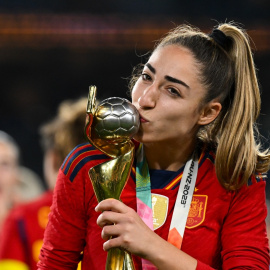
(197, 211)
(196, 214)
(160, 209)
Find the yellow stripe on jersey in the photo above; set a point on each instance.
(36, 251)
(36, 247)
(7, 264)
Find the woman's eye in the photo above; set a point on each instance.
(146, 77)
(174, 92)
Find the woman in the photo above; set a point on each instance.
(198, 99)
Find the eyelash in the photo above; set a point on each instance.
(146, 77)
(174, 92)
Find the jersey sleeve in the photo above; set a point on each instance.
(244, 240)
(65, 234)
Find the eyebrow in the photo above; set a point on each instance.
(168, 78)
(151, 68)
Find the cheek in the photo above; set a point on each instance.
(194, 109)
(135, 93)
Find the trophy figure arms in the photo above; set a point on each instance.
(109, 148)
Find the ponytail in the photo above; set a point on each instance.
(238, 155)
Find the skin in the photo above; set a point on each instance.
(168, 96)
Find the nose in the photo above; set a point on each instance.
(149, 97)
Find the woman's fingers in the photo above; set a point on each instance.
(108, 218)
(111, 205)
(113, 242)
(114, 211)
(110, 231)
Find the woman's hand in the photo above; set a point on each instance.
(127, 229)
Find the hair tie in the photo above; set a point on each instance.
(221, 39)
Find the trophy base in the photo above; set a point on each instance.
(115, 259)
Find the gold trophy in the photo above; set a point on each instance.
(110, 127)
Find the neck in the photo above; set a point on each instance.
(168, 157)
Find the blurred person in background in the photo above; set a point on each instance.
(24, 227)
(29, 186)
(9, 173)
(17, 183)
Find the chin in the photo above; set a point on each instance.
(143, 139)
(137, 137)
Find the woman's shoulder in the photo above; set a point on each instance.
(82, 157)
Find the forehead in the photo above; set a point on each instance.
(172, 52)
(7, 151)
(176, 61)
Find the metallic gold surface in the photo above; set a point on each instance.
(109, 178)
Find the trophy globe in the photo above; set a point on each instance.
(116, 120)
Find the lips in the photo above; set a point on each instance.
(143, 120)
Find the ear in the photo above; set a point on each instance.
(209, 113)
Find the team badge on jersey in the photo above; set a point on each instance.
(160, 209)
(197, 211)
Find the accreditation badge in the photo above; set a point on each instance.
(160, 209)
(197, 211)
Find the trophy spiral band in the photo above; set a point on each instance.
(109, 128)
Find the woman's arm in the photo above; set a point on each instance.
(65, 234)
(244, 238)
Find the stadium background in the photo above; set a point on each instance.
(53, 50)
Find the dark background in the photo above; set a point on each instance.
(53, 50)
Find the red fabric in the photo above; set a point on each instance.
(23, 231)
(229, 231)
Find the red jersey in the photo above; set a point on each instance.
(224, 229)
(22, 234)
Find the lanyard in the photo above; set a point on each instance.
(182, 204)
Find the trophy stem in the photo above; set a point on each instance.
(108, 180)
(115, 259)
(128, 262)
(119, 259)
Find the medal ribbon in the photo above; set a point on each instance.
(182, 204)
